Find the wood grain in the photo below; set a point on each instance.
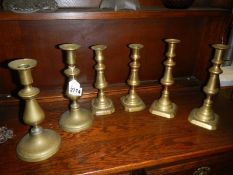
(218, 164)
(123, 141)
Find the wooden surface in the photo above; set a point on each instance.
(123, 141)
(219, 164)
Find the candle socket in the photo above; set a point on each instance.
(163, 106)
(76, 119)
(204, 116)
(101, 105)
(39, 144)
(132, 102)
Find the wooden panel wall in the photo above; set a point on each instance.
(39, 39)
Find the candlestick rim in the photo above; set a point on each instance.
(172, 40)
(69, 46)
(98, 47)
(135, 46)
(22, 64)
(220, 46)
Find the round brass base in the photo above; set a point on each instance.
(34, 148)
(76, 120)
(167, 111)
(195, 118)
(102, 108)
(132, 104)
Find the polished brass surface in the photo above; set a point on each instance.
(76, 119)
(163, 106)
(101, 105)
(39, 144)
(132, 102)
(205, 116)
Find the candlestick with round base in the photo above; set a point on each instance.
(76, 119)
(39, 144)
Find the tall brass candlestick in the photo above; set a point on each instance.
(205, 116)
(39, 144)
(101, 105)
(132, 102)
(76, 119)
(164, 107)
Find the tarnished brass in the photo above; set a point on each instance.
(205, 116)
(132, 102)
(101, 105)
(76, 119)
(39, 144)
(163, 106)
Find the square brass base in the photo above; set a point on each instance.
(106, 109)
(210, 125)
(133, 107)
(156, 110)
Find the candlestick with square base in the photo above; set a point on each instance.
(204, 116)
(132, 102)
(163, 106)
(101, 105)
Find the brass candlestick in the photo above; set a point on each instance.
(76, 119)
(101, 105)
(39, 144)
(164, 107)
(205, 116)
(132, 102)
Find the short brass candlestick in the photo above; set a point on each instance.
(39, 144)
(101, 105)
(76, 119)
(132, 102)
(163, 106)
(205, 116)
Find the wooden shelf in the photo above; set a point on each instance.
(123, 141)
(63, 14)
